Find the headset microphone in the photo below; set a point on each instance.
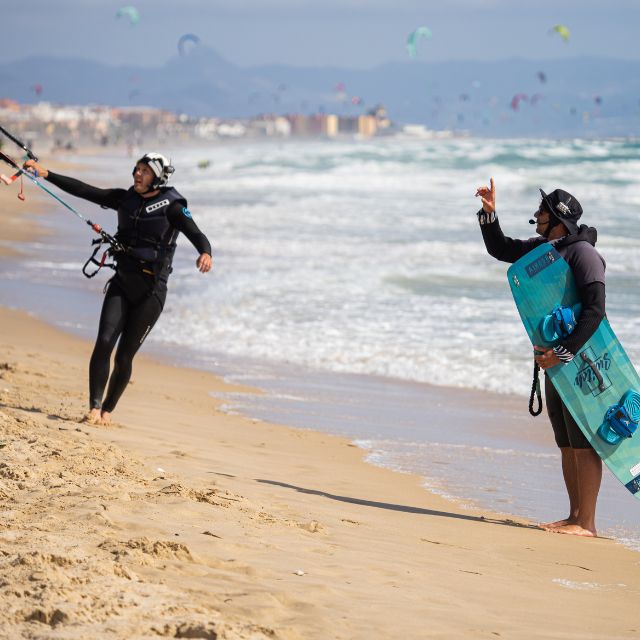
(532, 221)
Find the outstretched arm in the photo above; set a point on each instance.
(109, 198)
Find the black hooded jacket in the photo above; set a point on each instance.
(578, 250)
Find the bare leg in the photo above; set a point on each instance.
(589, 476)
(570, 474)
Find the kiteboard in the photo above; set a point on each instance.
(600, 386)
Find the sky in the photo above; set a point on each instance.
(344, 33)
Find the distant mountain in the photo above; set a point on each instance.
(577, 96)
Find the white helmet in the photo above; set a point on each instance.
(161, 167)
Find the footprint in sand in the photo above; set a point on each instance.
(212, 496)
(347, 521)
(204, 631)
(51, 617)
(312, 527)
(145, 551)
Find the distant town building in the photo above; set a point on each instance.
(67, 126)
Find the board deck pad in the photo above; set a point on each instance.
(539, 281)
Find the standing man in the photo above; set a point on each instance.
(150, 217)
(556, 222)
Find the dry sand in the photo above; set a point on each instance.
(184, 521)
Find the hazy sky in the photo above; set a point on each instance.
(346, 33)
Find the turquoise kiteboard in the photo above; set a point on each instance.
(600, 386)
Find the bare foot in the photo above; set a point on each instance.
(105, 418)
(550, 526)
(575, 530)
(93, 417)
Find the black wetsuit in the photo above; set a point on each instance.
(136, 294)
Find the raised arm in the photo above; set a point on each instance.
(498, 245)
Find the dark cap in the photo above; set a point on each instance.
(564, 207)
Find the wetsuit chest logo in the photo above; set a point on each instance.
(156, 206)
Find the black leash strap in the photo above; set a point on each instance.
(535, 392)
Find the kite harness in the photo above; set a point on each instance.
(113, 247)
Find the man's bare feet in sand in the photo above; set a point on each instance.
(93, 417)
(550, 526)
(575, 530)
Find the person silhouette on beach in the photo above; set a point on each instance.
(150, 217)
(556, 222)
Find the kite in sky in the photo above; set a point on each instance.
(129, 12)
(183, 46)
(562, 31)
(414, 36)
(515, 101)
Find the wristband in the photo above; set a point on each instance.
(486, 218)
(563, 353)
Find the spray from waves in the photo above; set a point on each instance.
(367, 258)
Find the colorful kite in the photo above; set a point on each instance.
(129, 12)
(184, 47)
(562, 31)
(517, 99)
(414, 36)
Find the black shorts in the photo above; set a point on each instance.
(565, 428)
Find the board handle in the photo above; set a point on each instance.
(596, 371)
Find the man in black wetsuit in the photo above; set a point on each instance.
(150, 217)
(556, 222)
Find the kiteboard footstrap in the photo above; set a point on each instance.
(621, 419)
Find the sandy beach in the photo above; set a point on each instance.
(185, 521)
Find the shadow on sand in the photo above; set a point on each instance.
(404, 508)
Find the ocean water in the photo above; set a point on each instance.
(356, 269)
(367, 258)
